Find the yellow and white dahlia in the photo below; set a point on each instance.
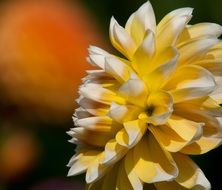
(141, 115)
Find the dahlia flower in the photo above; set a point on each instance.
(141, 115)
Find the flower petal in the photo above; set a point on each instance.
(97, 56)
(175, 13)
(118, 69)
(152, 163)
(122, 138)
(202, 146)
(94, 108)
(95, 138)
(177, 134)
(99, 94)
(144, 54)
(215, 51)
(131, 134)
(109, 182)
(172, 25)
(123, 182)
(96, 171)
(81, 164)
(134, 91)
(194, 49)
(191, 110)
(113, 152)
(169, 185)
(81, 113)
(130, 171)
(141, 21)
(190, 175)
(217, 94)
(212, 65)
(95, 186)
(135, 131)
(121, 40)
(102, 123)
(200, 30)
(190, 82)
(162, 72)
(123, 113)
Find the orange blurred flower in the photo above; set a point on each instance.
(42, 50)
(18, 153)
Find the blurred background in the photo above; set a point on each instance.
(43, 45)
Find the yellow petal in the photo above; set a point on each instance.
(164, 57)
(144, 54)
(217, 93)
(162, 72)
(177, 134)
(82, 162)
(122, 138)
(141, 21)
(188, 130)
(124, 113)
(211, 107)
(202, 146)
(96, 185)
(135, 131)
(200, 30)
(95, 171)
(118, 69)
(212, 65)
(191, 82)
(132, 132)
(197, 113)
(169, 186)
(123, 182)
(134, 91)
(99, 94)
(95, 138)
(194, 49)
(173, 28)
(175, 13)
(131, 173)
(94, 108)
(121, 40)
(113, 152)
(190, 175)
(103, 124)
(152, 163)
(108, 182)
(215, 51)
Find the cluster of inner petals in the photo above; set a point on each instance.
(142, 115)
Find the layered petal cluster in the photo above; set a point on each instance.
(142, 114)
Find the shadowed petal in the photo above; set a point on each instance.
(152, 163)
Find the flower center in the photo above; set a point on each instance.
(149, 110)
(159, 108)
